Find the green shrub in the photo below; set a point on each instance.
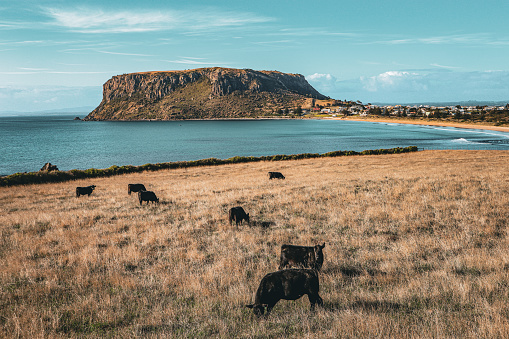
(59, 176)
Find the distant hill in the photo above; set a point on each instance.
(204, 93)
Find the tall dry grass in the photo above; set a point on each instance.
(416, 246)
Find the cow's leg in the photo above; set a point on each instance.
(315, 299)
(270, 307)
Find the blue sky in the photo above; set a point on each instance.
(56, 54)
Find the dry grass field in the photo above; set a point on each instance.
(416, 246)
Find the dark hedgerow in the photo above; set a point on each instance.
(59, 176)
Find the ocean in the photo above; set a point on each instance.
(28, 142)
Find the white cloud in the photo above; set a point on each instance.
(433, 85)
(395, 80)
(86, 20)
(323, 83)
(436, 86)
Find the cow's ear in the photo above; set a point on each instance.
(323, 245)
(250, 306)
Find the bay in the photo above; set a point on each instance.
(27, 142)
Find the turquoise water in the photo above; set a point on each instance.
(28, 142)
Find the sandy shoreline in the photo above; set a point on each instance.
(428, 122)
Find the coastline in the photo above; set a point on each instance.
(366, 119)
(425, 122)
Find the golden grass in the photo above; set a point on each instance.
(416, 246)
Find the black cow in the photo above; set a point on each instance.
(301, 256)
(147, 196)
(288, 284)
(276, 175)
(135, 188)
(84, 190)
(237, 214)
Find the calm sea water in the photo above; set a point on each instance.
(27, 142)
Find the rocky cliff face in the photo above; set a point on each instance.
(201, 93)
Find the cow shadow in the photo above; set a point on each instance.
(350, 271)
(262, 224)
(365, 305)
(149, 330)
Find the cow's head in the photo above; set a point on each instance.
(257, 309)
(319, 255)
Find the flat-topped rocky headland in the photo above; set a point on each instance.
(204, 93)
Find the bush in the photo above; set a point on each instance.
(59, 176)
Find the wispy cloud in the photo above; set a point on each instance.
(33, 69)
(275, 42)
(127, 54)
(23, 42)
(313, 31)
(445, 67)
(41, 71)
(194, 61)
(88, 20)
(454, 39)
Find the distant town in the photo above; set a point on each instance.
(497, 115)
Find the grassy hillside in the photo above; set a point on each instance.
(416, 246)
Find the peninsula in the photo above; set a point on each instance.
(204, 93)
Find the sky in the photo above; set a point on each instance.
(57, 54)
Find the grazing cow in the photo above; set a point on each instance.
(301, 256)
(135, 188)
(288, 284)
(237, 214)
(276, 175)
(84, 190)
(147, 196)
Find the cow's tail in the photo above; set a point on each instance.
(77, 193)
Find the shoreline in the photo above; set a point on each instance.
(425, 123)
(367, 119)
(42, 177)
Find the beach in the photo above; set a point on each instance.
(425, 122)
